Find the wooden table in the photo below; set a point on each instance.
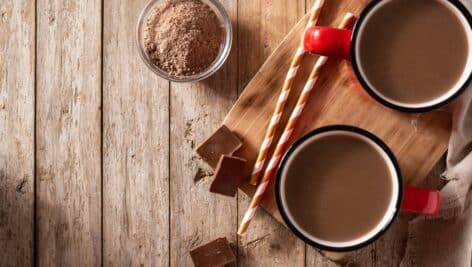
(97, 162)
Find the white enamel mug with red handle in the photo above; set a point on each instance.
(334, 42)
(404, 197)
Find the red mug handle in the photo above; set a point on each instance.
(327, 41)
(420, 200)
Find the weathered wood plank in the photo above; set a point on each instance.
(198, 216)
(135, 148)
(17, 53)
(262, 25)
(68, 133)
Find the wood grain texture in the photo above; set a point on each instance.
(390, 249)
(68, 133)
(262, 25)
(135, 149)
(198, 216)
(17, 53)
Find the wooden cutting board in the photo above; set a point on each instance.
(417, 140)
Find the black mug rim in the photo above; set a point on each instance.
(355, 66)
(336, 128)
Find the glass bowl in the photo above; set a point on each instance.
(223, 54)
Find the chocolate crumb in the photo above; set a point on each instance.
(183, 37)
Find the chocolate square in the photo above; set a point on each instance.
(217, 253)
(221, 142)
(229, 175)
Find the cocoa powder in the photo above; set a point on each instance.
(183, 37)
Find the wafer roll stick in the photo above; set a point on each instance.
(282, 100)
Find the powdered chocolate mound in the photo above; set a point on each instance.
(183, 37)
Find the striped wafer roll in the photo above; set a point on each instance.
(347, 22)
(279, 108)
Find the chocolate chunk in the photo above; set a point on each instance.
(221, 142)
(229, 175)
(217, 253)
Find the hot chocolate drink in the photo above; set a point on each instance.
(413, 51)
(337, 186)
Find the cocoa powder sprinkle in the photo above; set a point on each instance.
(183, 37)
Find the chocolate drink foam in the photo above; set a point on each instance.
(337, 187)
(413, 51)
